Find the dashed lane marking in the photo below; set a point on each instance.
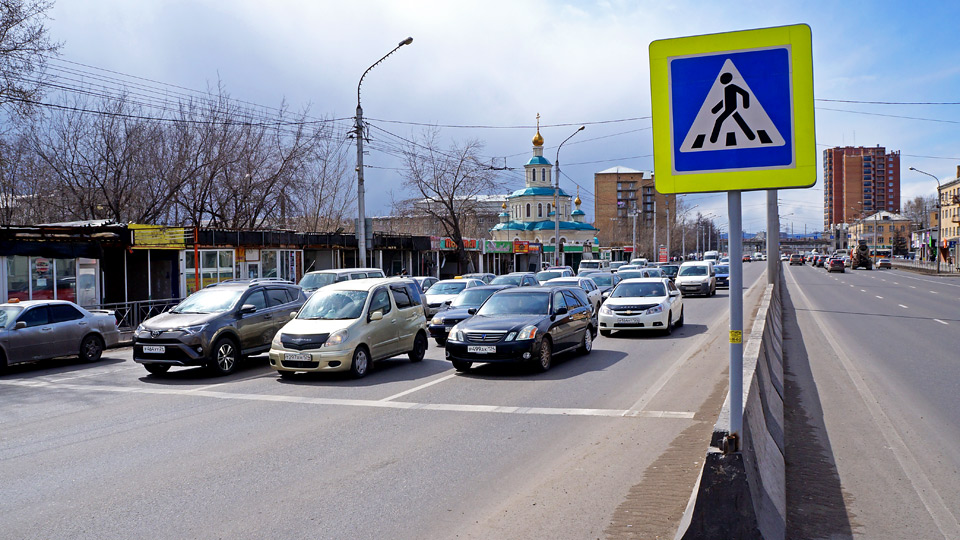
(903, 306)
(863, 290)
(89, 374)
(942, 322)
(421, 387)
(449, 407)
(880, 297)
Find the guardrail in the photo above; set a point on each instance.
(131, 314)
(927, 266)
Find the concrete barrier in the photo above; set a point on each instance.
(743, 494)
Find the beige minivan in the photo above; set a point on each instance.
(349, 325)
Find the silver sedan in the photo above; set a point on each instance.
(41, 329)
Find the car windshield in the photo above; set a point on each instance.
(449, 287)
(535, 303)
(693, 271)
(209, 301)
(654, 272)
(628, 274)
(315, 281)
(472, 297)
(8, 314)
(722, 269)
(594, 264)
(507, 280)
(603, 280)
(670, 270)
(334, 305)
(634, 290)
(549, 274)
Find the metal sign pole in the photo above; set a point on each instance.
(736, 318)
(773, 236)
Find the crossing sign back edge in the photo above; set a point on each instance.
(799, 171)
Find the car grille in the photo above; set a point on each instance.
(303, 342)
(638, 308)
(485, 337)
(301, 364)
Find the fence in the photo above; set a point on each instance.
(928, 266)
(131, 314)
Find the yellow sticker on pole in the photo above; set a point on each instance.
(736, 336)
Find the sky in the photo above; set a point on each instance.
(500, 63)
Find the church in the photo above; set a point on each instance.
(528, 217)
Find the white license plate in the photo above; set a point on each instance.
(154, 349)
(627, 321)
(297, 357)
(481, 349)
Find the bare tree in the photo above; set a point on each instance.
(447, 182)
(326, 196)
(24, 46)
(918, 210)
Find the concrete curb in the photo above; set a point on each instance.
(743, 494)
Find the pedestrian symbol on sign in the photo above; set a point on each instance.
(732, 110)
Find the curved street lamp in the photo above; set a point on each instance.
(358, 127)
(939, 217)
(556, 202)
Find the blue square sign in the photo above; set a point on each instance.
(731, 111)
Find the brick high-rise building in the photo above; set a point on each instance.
(857, 182)
(618, 193)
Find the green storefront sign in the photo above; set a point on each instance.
(491, 246)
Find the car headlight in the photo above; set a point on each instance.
(511, 336)
(527, 332)
(141, 329)
(655, 309)
(335, 338)
(604, 310)
(276, 344)
(436, 320)
(455, 333)
(190, 330)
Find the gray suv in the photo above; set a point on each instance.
(217, 325)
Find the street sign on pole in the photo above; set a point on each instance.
(734, 112)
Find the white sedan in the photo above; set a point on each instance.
(642, 304)
(444, 291)
(594, 294)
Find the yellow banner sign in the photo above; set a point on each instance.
(154, 237)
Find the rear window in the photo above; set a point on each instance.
(63, 313)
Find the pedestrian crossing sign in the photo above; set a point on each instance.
(734, 111)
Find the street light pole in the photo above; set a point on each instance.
(939, 216)
(556, 201)
(358, 127)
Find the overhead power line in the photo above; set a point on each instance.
(888, 102)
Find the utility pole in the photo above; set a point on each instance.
(656, 252)
(634, 216)
(667, 208)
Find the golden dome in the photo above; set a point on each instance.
(504, 205)
(577, 201)
(538, 139)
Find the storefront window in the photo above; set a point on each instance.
(18, 275)
(216, 265)
(66, 279)
(41, 278)
(269, 264)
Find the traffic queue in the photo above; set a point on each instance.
(345, 320)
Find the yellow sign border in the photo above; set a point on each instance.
(802, 175)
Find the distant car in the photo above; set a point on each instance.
(724, 260)
(670, 271)
(445, 290)
(885, 263)
(587, 284)
(34, 330)
(546, 275)
(517, 279)
(796, 258)
(628, 267)
(846, 261)
(485, 277)
(312, 281)
(458, 310)
(616, 264)
(567, 268)
(592, 264)
(642, 304)
(784, 257)
(723, 276)
(605, 281)
(697, 277)
(641, 262)
(835, 265)
(747, 258)
(425, 282)
(527, 324)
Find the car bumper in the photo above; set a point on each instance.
(339, 360)
(698, 288)
(439, 331)
(655, 321)
(723, 282)
(175, 353)
(513, 351)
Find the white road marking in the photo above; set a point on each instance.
(421, 387)
(880, 297)
(933, 292)
(91, 374)
(942, 322)
(938, 510)
(912, 287)
(863, 290)
(896, 283)
(881, 279)
(903, 306)
(250, 378)
(451, 407)
(931, 281)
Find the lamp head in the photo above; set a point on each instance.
(582, 128)
(407, 41)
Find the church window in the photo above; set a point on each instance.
(543, 174)
(548, 209)
(539, 209)
(534, 174)
(528, 209)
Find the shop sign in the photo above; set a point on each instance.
(534, 247)
(491, 246)
(154, 237)
(446, 243)
(521, 246)
(567, 248)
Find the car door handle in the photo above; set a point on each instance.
(393, 321)
(46, 329)
(268, 316)
(82, 323)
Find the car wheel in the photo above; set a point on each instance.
(462, 365)
(605, 333)
(360, 364)
(157, 369)
(225, 356)
(546, 354)
(419, 348)
(3, 362)
(679, 320)
(286, 374)
(668, 329)
(91, 348)
(587, 344)
(440, 341)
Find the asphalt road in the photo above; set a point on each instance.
(874, 360)
(601, 445)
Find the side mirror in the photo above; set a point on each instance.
(606, 295)
(561, 310)
(293, 314)
(375, 316)
(472, 311)
(19, 325)
(247, 308)
(447, 303)
(674, 293)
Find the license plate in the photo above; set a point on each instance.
(154, 349)
(627, 321)
(297, 357)
(481, 349)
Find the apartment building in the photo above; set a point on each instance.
(859, 181)
(619, 193)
